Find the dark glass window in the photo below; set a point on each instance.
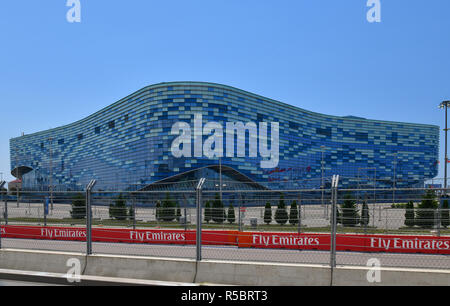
(361, 136)
(61, 141)
(294, 125)
(111, 124)
(126, 118)
(97, 130)
(325, 132)
(80, 136)
(394, 137)
(163, 168)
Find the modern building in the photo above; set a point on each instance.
(129, 145)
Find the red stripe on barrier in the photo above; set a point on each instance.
(348, 242)
(119, 235)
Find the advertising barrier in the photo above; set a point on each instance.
(261, 240)
(119, 235)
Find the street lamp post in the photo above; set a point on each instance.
(17, 176)
(445, 105)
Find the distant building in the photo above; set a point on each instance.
(14, 185)
(433, 186)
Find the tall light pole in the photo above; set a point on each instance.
(445, 105)
(17, 175)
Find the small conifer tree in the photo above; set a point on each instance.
(409, 214)
(350, 216)
(365, 217)
(293, 213)
(281, 215)
(231, 216)
(208, 212)
(445, 214)
(268, 213)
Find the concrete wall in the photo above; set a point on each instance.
(218, 272)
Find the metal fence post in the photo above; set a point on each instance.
(333, 228)
(334, 185)
(89, 216)
(199, 219)
(185, 211)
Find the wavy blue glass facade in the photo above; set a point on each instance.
(128, 143)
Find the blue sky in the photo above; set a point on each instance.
(320, 55)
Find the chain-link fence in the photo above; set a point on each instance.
(216, 220)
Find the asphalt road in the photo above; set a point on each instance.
(238, 254)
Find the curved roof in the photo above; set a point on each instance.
(20, 171)
(226, 171)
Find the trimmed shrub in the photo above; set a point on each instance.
(445, 214)
(268, 213)
(426, 209)
(231, 216)
(350, 216)
(409, 214)
(293, 213)
(218, 211)
(365, 217)
(208, 212)
(158, 211)
(118, 210)
(168, 209)
(78, 207)
(281, 215)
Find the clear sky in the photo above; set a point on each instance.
(320, 55)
